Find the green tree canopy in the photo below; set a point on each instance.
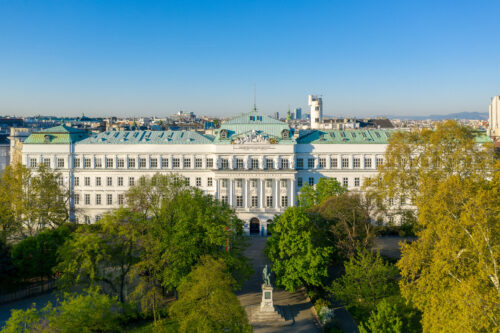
(392, 315)
(207, 302)
(310, 196)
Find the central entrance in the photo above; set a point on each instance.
(254, 226)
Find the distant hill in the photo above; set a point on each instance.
(459, 115)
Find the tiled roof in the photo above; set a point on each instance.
(345, 136)
(148, 137)
(57, 135)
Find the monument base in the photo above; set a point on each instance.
(266, 314)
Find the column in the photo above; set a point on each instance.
(277, 194)
(328, 162)
(262, 191)
(292, 192)
(231, 192)
(216, 193)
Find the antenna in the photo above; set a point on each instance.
(255, 97)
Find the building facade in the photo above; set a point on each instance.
(254, 163)
(494, 118)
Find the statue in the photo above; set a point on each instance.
(266, 276)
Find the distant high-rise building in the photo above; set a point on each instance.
(494, 117)
(297, 113)
(316, 104)
(276, 115)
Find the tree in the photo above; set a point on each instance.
(299, 249)
(349, 222)
(207, 302)
(314, 195)
(392, 315)
(366, 281)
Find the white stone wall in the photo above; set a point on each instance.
(494, 117)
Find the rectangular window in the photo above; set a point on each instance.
(142, 162)
(391, 201)
(283, 183)
(269, 201)
(109, 199)
(98, 163)
(86, 181)
(176, 162)
(120, 199)
(109, 163)
(187, 163)
(86, 162)
(299, 182)
(269, 183)
(97, 199)
(334, 163)
(310, 163)
(120, 181)
(253, 183)
(239, 163)
(131, 181)
(60, 181)
(284, 164)
(77, 199)
(322, 163)
(225, 163)
(255, 201)
(356, 182)
(109, 181)
(269, 163)
(60, 162)
(345, 181)
(154, 163)
(356, 163)
(76, 162)
(224, 183)
(210, 162)
(311, 181)
(33, 163)
(284, 201)
(255, 163)
(87, 199)
(77, 181)
(239, 183)
(98, 181)
(120, 163)
(300, 163)
(187, 181)
(198, 163)
(198, 181)
(131, 162)
(345, 162)
(239, 201)
(210, 182)
(368, 162)
(379, 161)
(224, 199)
(164, 162)
(46, 162)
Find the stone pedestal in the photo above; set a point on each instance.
(266, 314)
(266, 305)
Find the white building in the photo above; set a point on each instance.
(254, 163)
(316, 105)
(494, 117)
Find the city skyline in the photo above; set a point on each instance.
(132, 59)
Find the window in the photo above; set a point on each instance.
(239, 163)
(97, 199)
(77, 199)
(164, 162)
(224, 183)
(356, 182)
(299, 182)
(198, 181)
(120, 181)
(176, 162)
(187, 181)
(322, 163)
(46, 162)
(131, 162)
(109, 199)
(97, 218)
(77, 181)
(239, 183)
(269, 183)
(76, 162)
(311, 181)
(154, 163)
(98, 181)
(224, 199)
(210, 162)
(87, 199)
(198, 163)
(225, 163)
(368, 162)
(254, 201)
(120, 199)
(284, 201)
(255, 163)
(269, 201)
(310, 163)
(98, 163)
(33, 163)
(210, 182)
(86, 162)
(239, 201)
(269, 163)
(120, 163)
(131, 181)
(345, 162)
(356, 163)
(300, 163)
(187, 163)
(391, 201)
(379, 161)
(402, 200)
(345, 181)
(60, 162)
(284, 164)
(283, 183)
(109, 163)
(142, 162)
(86, 181)
(109, 181)
(253, 183)
(334, 163)
(60, 181)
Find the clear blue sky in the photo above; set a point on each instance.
(153, 58)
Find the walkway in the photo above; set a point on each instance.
(296, 304)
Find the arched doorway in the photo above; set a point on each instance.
(254, 226)
(268, 224)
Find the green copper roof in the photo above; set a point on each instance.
(345, 136)
(57, 135)
(148, 137)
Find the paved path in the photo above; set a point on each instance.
(295, 304)
(23, 304)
